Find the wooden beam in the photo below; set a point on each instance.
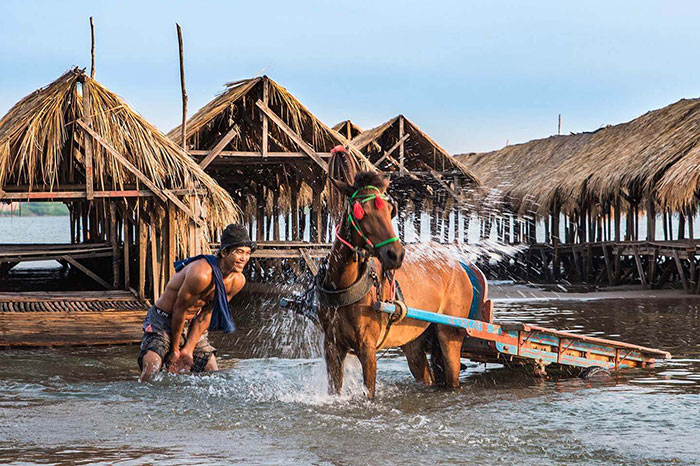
(86, 271)
(212, 154)
(681, 272)
(608, 265)
(58, 195)
(125, 249)
(445, 185)
(87, 113)
(388, 153)
(292, 135)
(234, 154)
(309, 261)
(401, 150)
(640, 269)
(163, 194)
(266, 86)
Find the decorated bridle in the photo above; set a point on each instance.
(357, 213)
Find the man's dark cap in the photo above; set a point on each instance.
(236, 235)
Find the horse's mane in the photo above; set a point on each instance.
(368, 178)
(343, 167)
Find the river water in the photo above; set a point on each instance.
(80, 405)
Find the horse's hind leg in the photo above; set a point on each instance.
(335, 358)
(450, 339)
(418, 361)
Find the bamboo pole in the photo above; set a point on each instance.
(92, 49)
(183, 128)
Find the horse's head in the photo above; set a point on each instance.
(367, 210)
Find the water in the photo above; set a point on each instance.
(67, 406)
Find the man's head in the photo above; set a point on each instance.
(236, 248)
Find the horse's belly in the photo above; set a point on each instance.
(403, 332)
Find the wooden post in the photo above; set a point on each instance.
(126, 243)
(434, 222)
(559, 126)
(87, 143)
(143, 247)
(260, 207)
(115, 243)
(155, 264)
(316, 221)
(465, 222)
(264, 117)
(417, 220)
(617, 219)
(401, 147)
(681, 225)
(276, 214)
(171, 243)
(651, 218)
(92, 49)
(681, 272)
(295, 209)
(183, 127)
(640, 269)
(691, 233)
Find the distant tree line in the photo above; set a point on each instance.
(33, 209)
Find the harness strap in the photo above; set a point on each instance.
(349, 295)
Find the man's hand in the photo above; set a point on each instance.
(181, 361)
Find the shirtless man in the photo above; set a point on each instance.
(191, 295)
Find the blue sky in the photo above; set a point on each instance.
(472, 74)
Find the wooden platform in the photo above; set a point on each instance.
(70, 318)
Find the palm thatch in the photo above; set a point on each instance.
(422, 153)
(625, 160)
(236, 108)
(41, 147)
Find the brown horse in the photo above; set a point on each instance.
(434, 283)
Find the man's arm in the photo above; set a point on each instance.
(198, 326)
(190, 292)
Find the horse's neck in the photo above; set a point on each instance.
(343, 270)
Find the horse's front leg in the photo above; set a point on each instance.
(335, 358)
(367, 354)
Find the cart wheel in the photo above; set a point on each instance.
(594, 372)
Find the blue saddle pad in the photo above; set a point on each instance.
(475, 308)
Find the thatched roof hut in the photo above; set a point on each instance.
(77, 142)
(265, 147)
(626, 160)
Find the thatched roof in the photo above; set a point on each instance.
(625, 160)
(421, 152)
(348, 129)
(39, 134)
(237, 106)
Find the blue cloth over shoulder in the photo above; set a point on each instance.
(221, 315)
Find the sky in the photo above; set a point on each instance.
(473, 75)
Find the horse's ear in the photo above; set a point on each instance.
(385, 182)
(344, 188)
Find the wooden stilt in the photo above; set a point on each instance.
(608, 265)
(640, 269)
(126, 249)
(115, 243)
(681, 272)
(143, 246)
(171, 233)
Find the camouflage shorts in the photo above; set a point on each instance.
(156, 338)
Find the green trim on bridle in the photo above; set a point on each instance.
(355, 223)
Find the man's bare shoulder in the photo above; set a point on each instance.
(198, 275)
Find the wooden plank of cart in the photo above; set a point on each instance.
(543, 345)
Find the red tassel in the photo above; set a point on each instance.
(378, 202)
(358, 211)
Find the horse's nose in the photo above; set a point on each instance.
(391, 257)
